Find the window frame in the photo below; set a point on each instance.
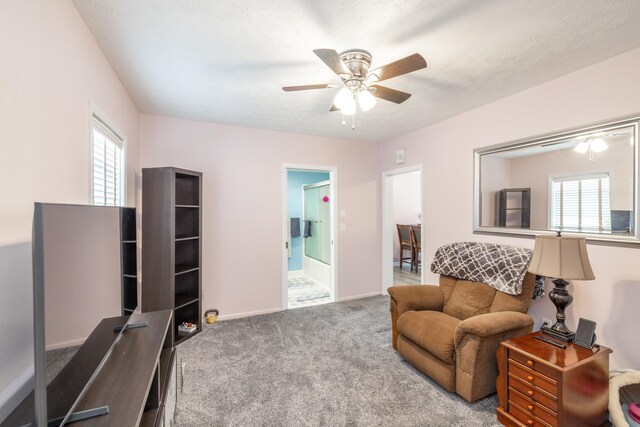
(104, 124)
(575, 177)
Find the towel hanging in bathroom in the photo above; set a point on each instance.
(295, 227)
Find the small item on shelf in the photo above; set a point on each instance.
(187, 327)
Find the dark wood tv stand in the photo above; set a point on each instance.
(133, 381)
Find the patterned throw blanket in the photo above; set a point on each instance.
(500, 266)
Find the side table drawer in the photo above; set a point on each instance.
(533, 408)
(534, 378)
(543, 385)
(526, 419)
(534, 393)
(535, 365)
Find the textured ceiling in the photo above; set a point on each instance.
(225, 61)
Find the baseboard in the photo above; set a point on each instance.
(248, 314)
(372, 294)
(65, 344)
(274, 310)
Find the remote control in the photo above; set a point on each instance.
(547, 340)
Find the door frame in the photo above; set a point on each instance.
(333, 209)
(388, 228)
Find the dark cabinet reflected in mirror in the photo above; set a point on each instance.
(581, 181)
(514, 208)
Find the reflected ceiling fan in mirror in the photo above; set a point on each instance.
(357, 88)
(592, 143)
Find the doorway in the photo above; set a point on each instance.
(402, 205)
(309, 236)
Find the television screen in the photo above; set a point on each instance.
(621, 222)
(84, 277)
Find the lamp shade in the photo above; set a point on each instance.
(561, 257)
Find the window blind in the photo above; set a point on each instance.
(581, 203)
(107, 164)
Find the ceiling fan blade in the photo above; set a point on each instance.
(333, 60)
(390, 94)
(305, 87)
(402, 66)
(334, 108)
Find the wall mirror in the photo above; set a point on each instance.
(582, 181)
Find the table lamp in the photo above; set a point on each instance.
(564, 258)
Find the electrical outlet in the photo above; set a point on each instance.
(545, 323)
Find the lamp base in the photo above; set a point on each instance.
(561, 299)
(563, 336)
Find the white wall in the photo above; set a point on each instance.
(242, 246)
(406, 204)
(605, 90)
(50, 69)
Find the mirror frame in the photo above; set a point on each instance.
(611, 239)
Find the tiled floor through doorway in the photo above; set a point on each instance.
(304, 292)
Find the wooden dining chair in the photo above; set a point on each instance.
(406, 244)
(416, 245)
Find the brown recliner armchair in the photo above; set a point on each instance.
(451, 332)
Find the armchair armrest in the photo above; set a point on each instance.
(476, 342)
(486, 325)
(417, 297)
(413, 297)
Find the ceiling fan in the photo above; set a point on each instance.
(352, 66)
(592, 143)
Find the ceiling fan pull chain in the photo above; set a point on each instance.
(353, 122)
(343, 120)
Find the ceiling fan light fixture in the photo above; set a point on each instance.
(344, 99)
(598, 145)
(350, 108)
(366, 100)
(582, 147)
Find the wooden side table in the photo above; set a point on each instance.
(547, 386)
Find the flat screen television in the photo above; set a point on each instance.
(84, 280)
(621, 222)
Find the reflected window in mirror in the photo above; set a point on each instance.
(580, 203)
(580, 181)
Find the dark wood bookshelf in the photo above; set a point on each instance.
(514, 208)
(183, 300)
(129, 260)
(172, 245)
